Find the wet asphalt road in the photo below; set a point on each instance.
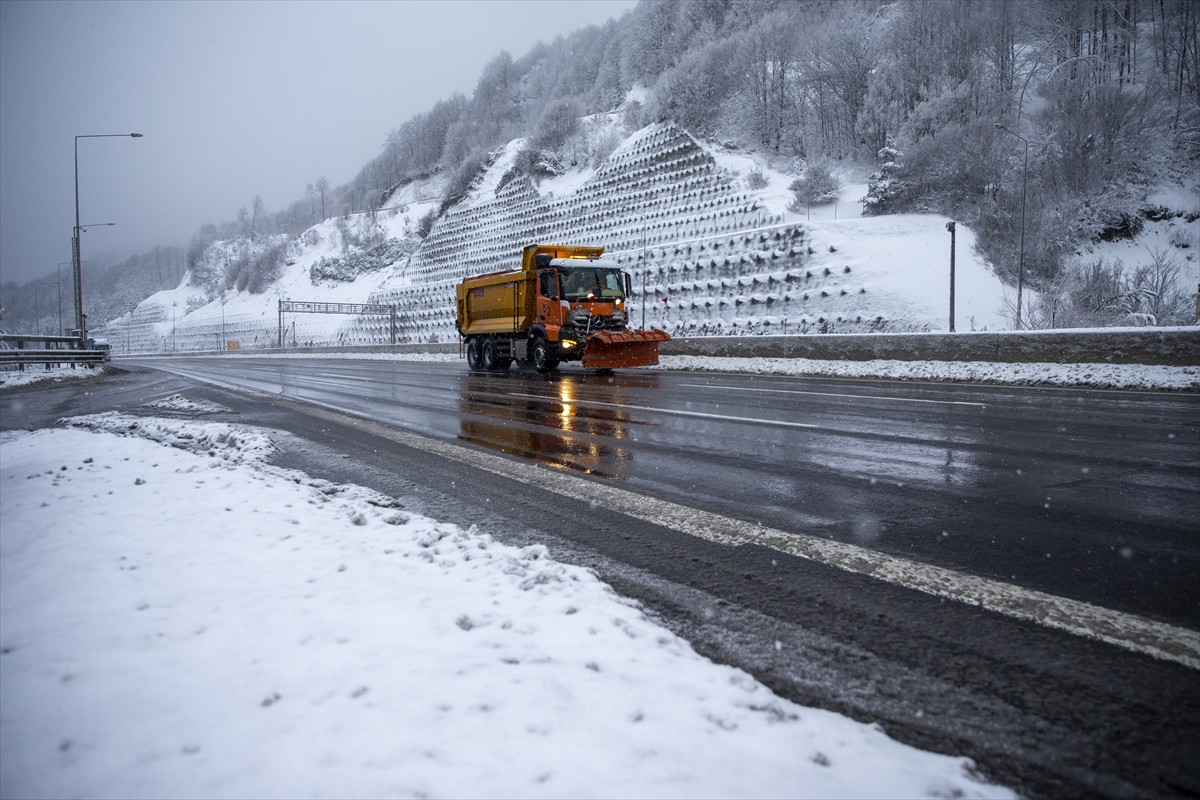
(1090, 495)
(1087, 495)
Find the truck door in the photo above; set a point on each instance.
(549, 309)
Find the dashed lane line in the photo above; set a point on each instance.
(1129, 631)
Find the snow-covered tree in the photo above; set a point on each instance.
(884, 187)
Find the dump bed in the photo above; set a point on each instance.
(499, 302)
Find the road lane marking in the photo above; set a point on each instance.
(672, 412)
(1128, 631)
(833, 394)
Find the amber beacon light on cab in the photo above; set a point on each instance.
(564, 304)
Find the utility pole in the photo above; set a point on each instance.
(950, 227)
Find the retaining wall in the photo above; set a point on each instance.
(1165, 346)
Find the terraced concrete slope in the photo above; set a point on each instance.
(709, 256)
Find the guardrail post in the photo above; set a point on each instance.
(393, 315)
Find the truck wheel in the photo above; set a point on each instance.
(488, 358)
(543, 355)
(474, 357)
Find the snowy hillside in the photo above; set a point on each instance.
(715, 256)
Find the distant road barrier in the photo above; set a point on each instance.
(31, 349)
(1166, 346)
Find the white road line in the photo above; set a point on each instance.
(673, 412)
(832, 394)
(1131, 632)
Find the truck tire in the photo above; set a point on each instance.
(543, 355)
(489, 359)
(474, 356)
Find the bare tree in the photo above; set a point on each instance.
(322, 187)
(258, 209)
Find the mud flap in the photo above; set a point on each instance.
(611, 349)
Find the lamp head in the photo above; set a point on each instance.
(136, 135)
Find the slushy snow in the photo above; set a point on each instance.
(179, 618)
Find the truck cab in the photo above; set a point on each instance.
(580, 296)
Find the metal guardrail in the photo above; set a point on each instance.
(21, 339)
(24, 349)
(22, 358)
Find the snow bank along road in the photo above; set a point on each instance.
(176, 645)
(1075, 509)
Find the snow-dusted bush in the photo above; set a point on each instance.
(425, 224)
(559, 122)
(1104, 293)
(468, 172)
(818, 186)
(262, 271)
(606, 144)
(532, 163)
(347, 268)
(756, 179)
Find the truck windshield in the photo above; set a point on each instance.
(595, 282)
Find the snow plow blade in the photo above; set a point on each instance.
(610, 349)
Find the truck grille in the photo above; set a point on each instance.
(579, 319)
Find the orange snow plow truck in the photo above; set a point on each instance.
(564, 304)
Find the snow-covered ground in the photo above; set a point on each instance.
(1176, 237)
(13, 378)
(179, 618)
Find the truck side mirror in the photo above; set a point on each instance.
(628, 284)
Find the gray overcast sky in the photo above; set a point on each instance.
(234, 100)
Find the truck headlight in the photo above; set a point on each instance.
(567, 345)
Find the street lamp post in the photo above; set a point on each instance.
(950, 227)
(76, 271)
(1021, 261)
